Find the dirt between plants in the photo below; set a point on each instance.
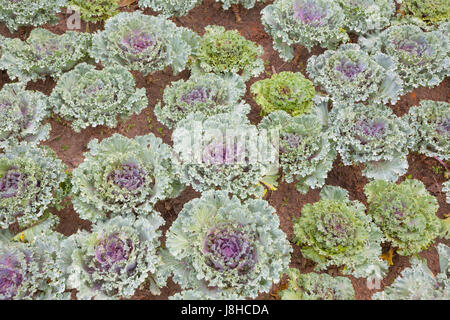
(288, 202)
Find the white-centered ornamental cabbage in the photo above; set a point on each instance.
(115, 258)
(208, 94)
(371, 135)
(350, 74)
(220, 248)
(22, 113)
(306, 150)
(44, 54)
(122, 176)
(90, 97)
(304, 22)
(143, 43)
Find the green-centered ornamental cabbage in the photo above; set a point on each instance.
(222, 51)
(287, 91)
(336, 231)
(405, 212)
(95, 10)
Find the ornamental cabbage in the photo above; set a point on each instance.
(224, 152)
(371, 135)
(350, 74)
(317, 286)
(336, 231)
(95, 10)
(90, 97)
(208, 94)
(143, 43)
(18, 13)
(220, 248)
(32, 181)
(124, 176)
(306, 152)
(446, 189)
(421, 57)
(304, 22)
(44, 54)
(223, 51)
(419, 283)
(431, 128)
(115, 258)
(247, 4)
(405, 212)
(21, 115)
(30, 271)
(287, 91)
(363, 16)
(170, 7)
(432, 12)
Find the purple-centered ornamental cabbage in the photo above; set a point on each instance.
(143, 43)
(430, 122)
(32, 180)
(115, 258)
(223, 152)
(44, 54)
(29, 271)
(350, 74)
(209, 94)
(304, 22)
(373, 136)
(422, 58)
(236, 249)
(124, 176)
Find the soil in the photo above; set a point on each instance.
(288, 202)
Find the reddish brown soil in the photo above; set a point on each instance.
(70, 145)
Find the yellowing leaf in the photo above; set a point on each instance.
(388, 256)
